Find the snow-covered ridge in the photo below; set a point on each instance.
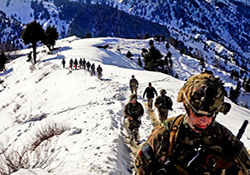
(92, 109)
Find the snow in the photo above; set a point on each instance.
(91, 109)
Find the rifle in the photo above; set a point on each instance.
(242, 129)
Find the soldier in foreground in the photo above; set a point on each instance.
(194, 143)
(163, 104)
(133, 112)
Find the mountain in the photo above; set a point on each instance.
(218, 26)
(225, 22)
(71, 122)
(73, 18)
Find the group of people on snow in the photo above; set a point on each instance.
(193, 142)
(134, 111)
(163, 103)
(86, 65)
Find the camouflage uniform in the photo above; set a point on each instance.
(175, 149)
(133, 83)
(216, 140)
(133, 112)
(163, 104)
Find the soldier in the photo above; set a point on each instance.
(163, 104)
(93, 69)
(63, 63)
(71, 63)
(133, 83)
(75, 63)
(194, 143)
(80, 63)
(84, 63)
(88, 65)
(133, 112)
(150, 91)
(99, 72)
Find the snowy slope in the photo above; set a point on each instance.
(36, 96)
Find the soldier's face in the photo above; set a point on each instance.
(133, 101)
(200, 123)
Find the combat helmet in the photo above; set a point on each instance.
(163, 91)
(132, 96)
(204, 94)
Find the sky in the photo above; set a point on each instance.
(91, 110)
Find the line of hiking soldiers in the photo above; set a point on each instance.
(193, 142)
(163, 103)
(133, 110)
(85, 65)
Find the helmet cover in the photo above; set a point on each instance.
(203, 92)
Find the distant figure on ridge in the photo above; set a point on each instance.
(88, 65)
(84, 63)
(99, 72)
(63, 63)
(80, 63)
(75, 63)
(133, 84)
(92, 69)
(71, 63)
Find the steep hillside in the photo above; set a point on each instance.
(41, 97)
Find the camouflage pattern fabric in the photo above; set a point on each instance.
(135, 111)
(193, 152)
(163, 114)
(204, 92)
(163, 102)
(133, 83)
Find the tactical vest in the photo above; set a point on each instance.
(213, 158)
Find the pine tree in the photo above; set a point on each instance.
(51, 35)
(152, 58)
(169, 54)
(129, 54)
(247, 86)
(202, 63)
(170, 63)
(32, 34)
(3, 60)
(139, 61)
(232, 95)
(167, 46)
(157, 38)
(151, 42)
(235, 93)
(146, 36)
(166, 61)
